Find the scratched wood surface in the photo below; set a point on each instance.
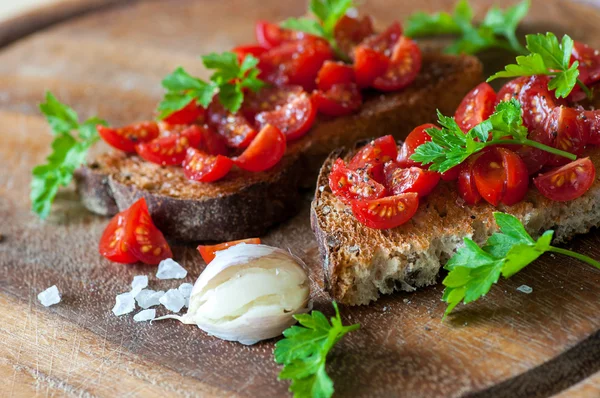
(109, 63)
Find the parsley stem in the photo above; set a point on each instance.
(534, 144)
(576, 255)
(585, 89)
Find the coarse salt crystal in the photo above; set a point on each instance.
(145, 315)
(148, 298)
(169, 269)
(186, 291)
(525, 289)
(49, 296)
(125, 303)
(173, 300)
(139, 282)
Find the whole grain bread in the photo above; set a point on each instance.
(247, 204)
(361, 263)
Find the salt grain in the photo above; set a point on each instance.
(49, 296)
(125, 303)
(186, 291)
(525, 289)
(148, 298)
(173, 300)
(169, 269)
(145, 315)
(139, 282)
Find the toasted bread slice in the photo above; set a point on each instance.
(360, 263)
(247, 204)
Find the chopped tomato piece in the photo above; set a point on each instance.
(385, 41)
(589, 62)
(332, 73)
(388, 212)
(269, 99)
(146, 242)
(233, 126)
(349, 184)
(592, 120)
(338, 100)
(170, 150)
(208, 253)
(372, 157)
(571, 132)
(294, 118)
(189, 114)
(350, 31)
(450, 175)
(476, 107)
(466, 182)
(212, 142)
(405, 65)
(113, 243)
(416, 138)
(537, 102)
(512, 89)
(125, 138)
(203, 167)
(567, 182)
(249, 49)
(369, 64)
(264, 152)
(413, 179)
(271, 35)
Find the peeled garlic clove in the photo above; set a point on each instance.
(249, 293)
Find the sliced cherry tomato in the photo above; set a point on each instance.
(589, 62)
(405, 65)
(567, 182)
(476, 107)
(571, 131)
(271, 35)
(294, 118)
(349, 184)
(384, 42)
(212, 142)
(170, 150)
(189, 114)
(501, 176)
(233, 126)
(113, 244)
(388, 212)
(592, 119)
(334, 73)
(338, 100)
(372, 157)
(450, 175)
(535, 158)
(413, 179)
(466, 182)
(249, 49)
(512, 89)
(146, 242)
(268, 99)
(264, 152)
(369, 64)
(350, 31)
(416, 138)
(208, 252)
(125, 138)
(203, 167)
(537, 102)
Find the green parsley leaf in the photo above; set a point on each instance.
(498, 29)
(303, 352)
(473, 270)
(227, 80)
(68, 152)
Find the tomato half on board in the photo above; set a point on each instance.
(412, 179)
(372, 157)
(147, 243)
(348, 184)
(208, 253)
(294, 117)
(537, 102)
(234, 127)
(466, 182)
(170, 150)
(567, 182)
(338, 100)
(271, 35)
(113, 245)
(189, 114)
(386, 213)
(571, 132)
(501, 176)
(475, 107)
(416, 138)
(203, 167)
(126, 138)
(349, 31)
(512, 89)
(264, 152)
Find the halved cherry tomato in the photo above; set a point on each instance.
(413, 179)
(334, 73)
(571, 132)
(350, 31)
(416, 138)
(233, 126)
(372, 157)
(512, 89)
(170, 150)
(203, 167)
(212, 142)
(294, 118)
(146, 242)
(339, 100)
(268, 99)
(405, 64)
(125, 138)
(249, 49)
(537, 102)
(592, 120)
(589, 62)
(450, 175)
(189, 114)
(113, 244)
(264, 152)
(535, 158)
(501, 176)
(475, 107)
(388, 212)
(208, 252)
(369, 64)
(567, 182)
(271, 35)
(385, 41)
(349, 184)
(466, 182)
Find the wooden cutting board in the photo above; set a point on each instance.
(110, 62)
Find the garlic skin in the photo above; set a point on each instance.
(249, 293)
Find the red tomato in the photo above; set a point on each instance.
(384, 42)
(374, 155)
(170, 150)
(264, 152)
(466, 182)
(476, 107)
(501, 176)
(404, 67)
(512, 89)
(203, 167)
(567, 182)
(125, 138)
(208, 252)
(589, 62)
(187, 115)
(349, 184)
(413, 179)
(332, 73)
(268, 99)
(350, 31)
(369, 64)
(388, 212)
(249, 49)
(147, 243)
(339, 100)
(212, 142)
(571, 132)
(416, 138)
(537, 102)
(294, 118)
(233, 126)
(450, 175)
(113, 244)
(271, 35)
(535, 158)
(592, 119)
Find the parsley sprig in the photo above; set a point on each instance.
(474, 269)
(68, 152)
(228, 79)
(450, 147)
(328, 13)
(548, 56)
(497, 30)
(304, 350)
